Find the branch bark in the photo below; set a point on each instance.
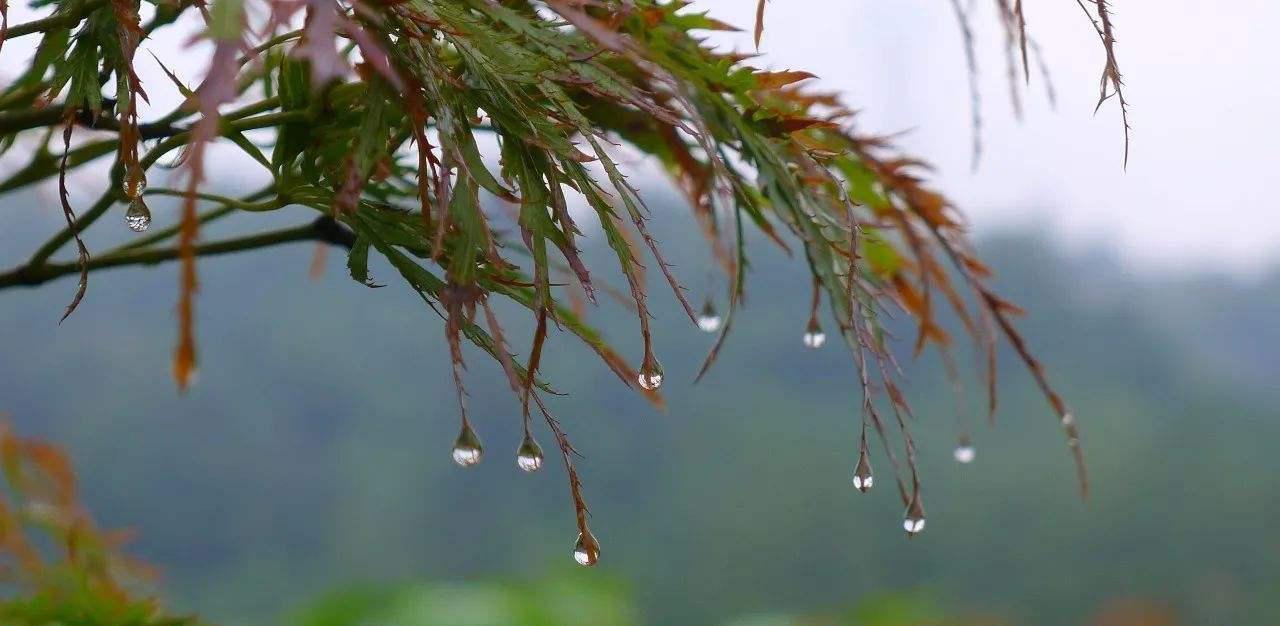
(323, 229)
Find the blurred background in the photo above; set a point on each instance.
(306, 478)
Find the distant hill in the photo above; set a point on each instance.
(314, 450)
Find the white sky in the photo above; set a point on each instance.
(1201, 78)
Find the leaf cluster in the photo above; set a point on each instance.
(386, 118)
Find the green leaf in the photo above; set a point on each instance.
(226, 20)
(358, 262)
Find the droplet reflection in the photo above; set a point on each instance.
(813, 335)
(529, 455)
(650, 376)
(137, 217)
(913, 520)
(587, 550)
(913, 525)
(708, 320)
(709, 323)
(862, 478)
(467, 450)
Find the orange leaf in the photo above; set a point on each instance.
(774, 80)
(795, 124)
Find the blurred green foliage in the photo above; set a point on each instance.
(576, 601)
(314, 453)
(583, 600)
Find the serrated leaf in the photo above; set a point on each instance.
(358, 262)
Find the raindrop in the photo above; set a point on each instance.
(1069, 424)
(467, 449)
(135, 182)
(964, 453)
(529, 455)
(138, 216)
(708, 320)
(862, 478)
(650, 377)
(587, 550)
(913, 520)
(913, 525)
(813, 335)
(863, 483)
(709, 323)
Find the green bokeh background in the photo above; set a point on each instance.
(312, 456)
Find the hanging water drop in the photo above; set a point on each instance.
(650, 376)
(135, 182)
(862, 477)
(529, 455)
(913, 525)
(137, 217)
(964, 453)
(1069, 425)
(863, 483)
(467, 450)
(587, 550)
(913, 520)
(708, 319)
(813, 335)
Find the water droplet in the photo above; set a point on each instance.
(587, 550)
(467, 450)
(650, 377)
(863, 483)
(135, 182)
(709, 323)
(913, 520)
(862, 478)
(813, 335)
(1068, 419)
(913, 525)
(529, 455)
(138, 216)
(964, 453)
(708, 320)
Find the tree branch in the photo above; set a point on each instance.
(108, 198)
(53, 115)
(323, 229)
(58, 19)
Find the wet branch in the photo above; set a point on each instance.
(322, 229)
(60, 19)
(48, 116)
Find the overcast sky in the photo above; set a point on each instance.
(1201, 76)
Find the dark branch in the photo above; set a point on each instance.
(58, 19)
(322, 229)
(17, 121)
